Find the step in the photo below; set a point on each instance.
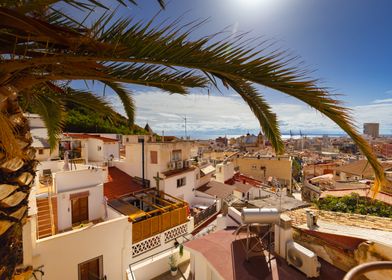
(43, 221)
(43, 235)
(44, 225)
(39, 203)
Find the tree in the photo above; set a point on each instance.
(41, 47)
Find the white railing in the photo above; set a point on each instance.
(159, 239)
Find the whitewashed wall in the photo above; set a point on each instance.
(70, 180)
(61, 254)
(170, 186)
(96, 208)
(93, 153)
(111, 149)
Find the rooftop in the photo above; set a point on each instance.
(361, 167)
(119, 183)
(217, 189)
(87, 136)
(227, 256)
(282, 202)
(384, 197)
(347, 219)
(175, 172)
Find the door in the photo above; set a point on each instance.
(79, 210)
(91, 269)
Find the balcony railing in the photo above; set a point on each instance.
(157, 224)
(160, 239)
(204, 215)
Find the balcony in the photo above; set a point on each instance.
(151, 212)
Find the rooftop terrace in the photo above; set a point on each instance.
(227, 256)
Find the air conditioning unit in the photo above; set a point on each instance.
(303, 259)
(171, 165)
(179, 164)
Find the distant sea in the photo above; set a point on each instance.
(284, 136)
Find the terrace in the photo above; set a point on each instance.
(151, 212)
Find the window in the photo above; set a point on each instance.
(154, 157)
(41, 151)
(99, 148)
(181, 182)
(197, 176)
(91, 269)
(176, 155)
(79, 210)
(254, 167)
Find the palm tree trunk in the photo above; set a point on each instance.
(17, 171)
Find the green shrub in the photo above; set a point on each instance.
(353, 203)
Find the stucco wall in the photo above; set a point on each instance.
(224, 172)
(70, 180)
(111, 149)
(93, 153)
(169, 186)
(61, 254)
(274, 167)
(96, 208)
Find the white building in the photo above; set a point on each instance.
(73, 233)
(170, 163)
(39, 133)
(91, 148)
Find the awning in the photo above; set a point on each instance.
(208, 169)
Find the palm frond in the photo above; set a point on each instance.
(126, 99)
(50, 106)
(165, 56)
(88, 100)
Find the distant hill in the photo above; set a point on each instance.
(83, 120)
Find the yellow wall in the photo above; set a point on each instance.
(278, 168)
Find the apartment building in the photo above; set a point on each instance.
(266, 168)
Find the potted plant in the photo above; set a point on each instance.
(181, 250)
(173, 265)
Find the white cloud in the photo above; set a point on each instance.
(210, 114)
(387, 100)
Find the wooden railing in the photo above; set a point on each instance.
(157, 224)
(199, 218)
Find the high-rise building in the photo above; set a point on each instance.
(371, 129)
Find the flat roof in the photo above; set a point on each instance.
(274, 201)
(176, 172)
(227, 256)
(383, 197)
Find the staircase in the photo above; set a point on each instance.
(44, 224)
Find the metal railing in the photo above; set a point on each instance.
(367, 267)
(199, 218)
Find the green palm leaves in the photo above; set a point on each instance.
(54, 46)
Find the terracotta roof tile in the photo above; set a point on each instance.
(87, 136)
(119, 184)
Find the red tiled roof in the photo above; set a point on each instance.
(119, 184)
(87, 136)
(238, 177)
(384, 197)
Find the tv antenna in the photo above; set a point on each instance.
(185, 120)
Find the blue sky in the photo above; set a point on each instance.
(348, 44)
